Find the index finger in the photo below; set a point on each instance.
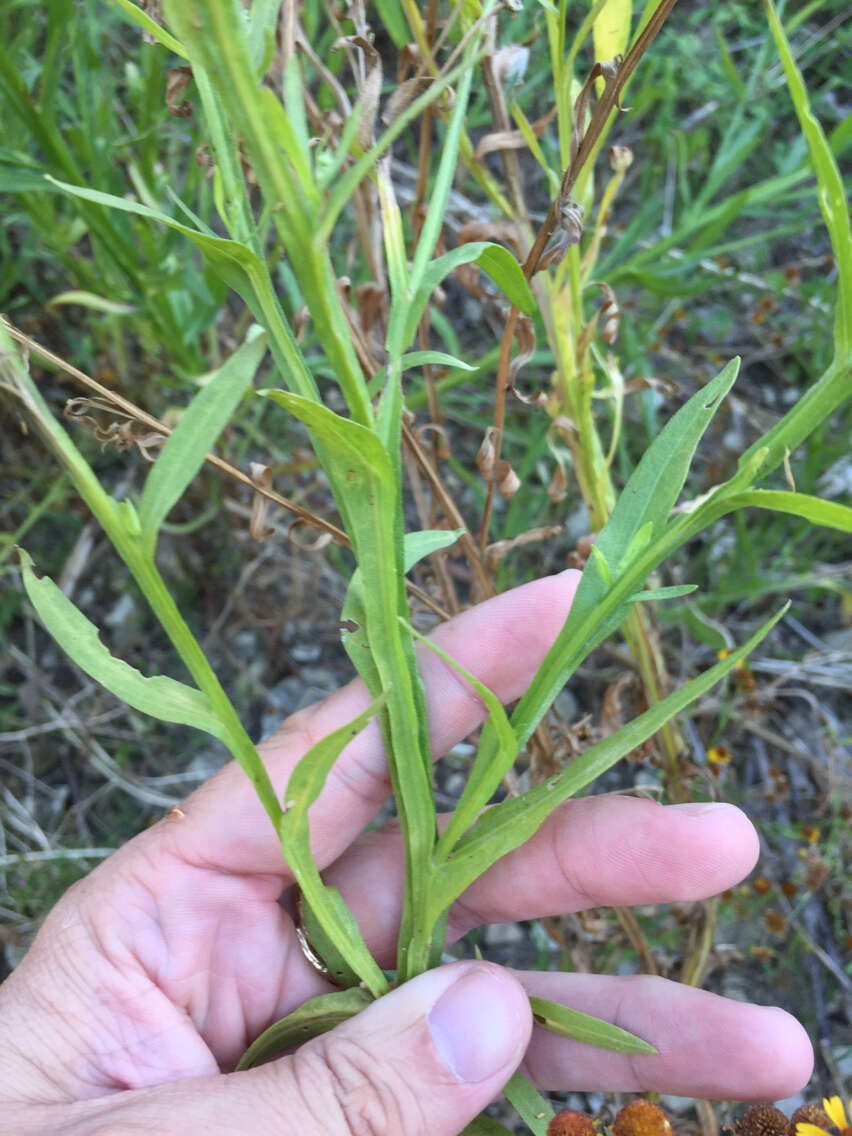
(501, 642)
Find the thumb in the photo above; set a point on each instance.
(426, 1058)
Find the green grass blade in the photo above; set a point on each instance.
(589, 1030)
(161, 697)
(199, 427)
(506, 826)
(832, 200)
(303, 788)
(314, 1017)
(136, 16)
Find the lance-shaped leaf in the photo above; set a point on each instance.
(671, 593)
(832, 198)
(528, 1102)
(494, 260)
(828, 514)
(161, 697)
(327, 904)
(314, 1017)
(566, 1022)
(615, 573)
(238, 266)
(485, 1126)
(199, 427)
(506, 826)
(639, 517)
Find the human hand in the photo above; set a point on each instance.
(154, 973)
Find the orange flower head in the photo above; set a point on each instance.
(642, 1118)
(569, 1122)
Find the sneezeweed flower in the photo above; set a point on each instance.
(762, 1120)
(811, 833)
(834, 1113)
(569, 1122)
(761, 885)
(642, 1118)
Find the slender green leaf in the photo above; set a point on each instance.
(303, 788)
(646, 500)
(528, 1102)
(201, 424)
(91, 301)
(828, 514)
(496, 261)
(161, 697)
(616, 570)
(314, 1017)
(506, 826)
(485, 1126)
(393, 21)
(507, 746)
(418, 545)
(361, 468)
(664, 593)
(438, 358)
(239, 267)
(144, 21)
(832, 199)
(583, 1027)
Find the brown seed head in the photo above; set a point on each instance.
(762, 1120)
(569, 1122)
(810, 1114)
(642, 1118)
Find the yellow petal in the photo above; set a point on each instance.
(834, 1107)
(803, 1129)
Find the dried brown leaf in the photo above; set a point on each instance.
(443, 447)
(525, 335)
(317, 545)
(511, 139)
(261, 475)
(494, 470)
(494, 553)
(508, 232)
(405, 93)
(122, 435)
(509, 63)
(177, 81)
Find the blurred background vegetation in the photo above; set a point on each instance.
(715, 247)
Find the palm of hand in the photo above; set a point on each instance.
(174, 954)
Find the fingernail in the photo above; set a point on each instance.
(698, 808)
(475, 1025)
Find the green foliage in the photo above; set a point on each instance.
(285, 179)
(565, 1022)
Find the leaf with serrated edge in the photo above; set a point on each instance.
(161, 697)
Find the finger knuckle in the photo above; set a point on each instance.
(348, 1091)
